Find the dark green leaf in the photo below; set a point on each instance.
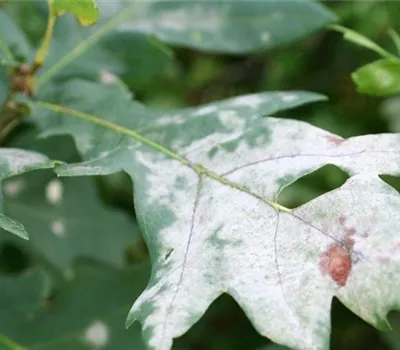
(86, 312)
(14, 162)
(66, 219)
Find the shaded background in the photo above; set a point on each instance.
(321, 63)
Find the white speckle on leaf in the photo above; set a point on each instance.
(54, 191)
(265, 37)
(97, 334)
(289, 97)
(206, 110)
(58, 227)
(252, 101)
(107, 78)
(231, 120)
(13, 187)
(167, 120)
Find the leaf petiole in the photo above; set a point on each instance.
(44, 48)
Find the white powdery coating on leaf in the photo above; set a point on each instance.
(169, 120)
(54, 191)
(289, 97)
(196, 17)
(231, 120)
(13, 188)
(97, 334)
(58, 227)
(107, 77)
(265, 37)
(206, 110)
(252, 101)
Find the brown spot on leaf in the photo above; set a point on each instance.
(336, 140)
(336, 262)
(342, 220)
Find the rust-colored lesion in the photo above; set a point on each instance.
(337, 263)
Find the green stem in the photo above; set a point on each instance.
(82, 47)
(10, 344)
(199, 169)
(115, 127)
(44, 48)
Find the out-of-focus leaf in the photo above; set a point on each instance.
(206, 181)
(86, 311)
(66, 219)
(361, 40)
(391, 112)
(235, 26)
(85, 10)
(134, 57)
(14, 47)
(13, 162)
(379, 78)
(4, 85)
(393, 337)
(396, 39)
(228, 26)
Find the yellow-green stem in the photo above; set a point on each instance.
(44, 48)
(198, 168)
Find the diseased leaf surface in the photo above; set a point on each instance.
(206, 182)
(223, 26)
(72, 318)
(227, 26)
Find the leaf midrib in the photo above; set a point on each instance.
(197, 168)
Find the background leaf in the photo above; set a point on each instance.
(379, 78)
(70, 317)
(14, 47)
(231, 27)
(14, 162)
(85, 10)
(67, 219)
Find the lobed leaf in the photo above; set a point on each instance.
(13, 162)
(72, 318)
(70, 228)
(207, 183)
